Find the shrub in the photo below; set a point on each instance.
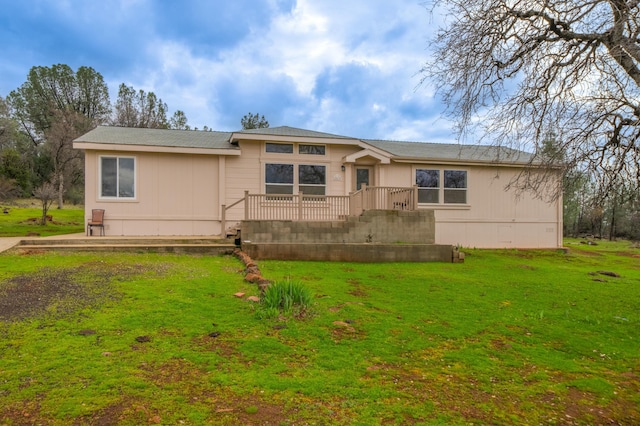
(285, 297)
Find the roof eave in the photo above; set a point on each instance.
(461, 162)
(92, 146)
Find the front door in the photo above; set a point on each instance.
(364, 175)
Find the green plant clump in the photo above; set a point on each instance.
(285, 297)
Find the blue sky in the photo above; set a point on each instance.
(349, 67)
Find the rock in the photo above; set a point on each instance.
(143, 339)
(253, 299)
(239, 295)
(252, 278)
(252, 270)
(215, 334)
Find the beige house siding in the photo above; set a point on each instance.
(497, 218)
(176, 194)
(492, 217)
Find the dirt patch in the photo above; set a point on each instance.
(61, 291)
(358, 289)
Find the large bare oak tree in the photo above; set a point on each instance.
(522, 68)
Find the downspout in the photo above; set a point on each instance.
(560, 226)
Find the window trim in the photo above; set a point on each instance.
(118, 197)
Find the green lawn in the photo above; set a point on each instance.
(508, 337)
(23, 218)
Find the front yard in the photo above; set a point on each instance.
(508, 337)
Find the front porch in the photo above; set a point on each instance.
(317, 208)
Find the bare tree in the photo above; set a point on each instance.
(67, 162)
(46, 193)
(518, 67)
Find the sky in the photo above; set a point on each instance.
(347, 67)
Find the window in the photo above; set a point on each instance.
(455, 186)
(312, 179)
(311, 149)
(279, 179)
(117, 177)
(428, 182)
(281, 148)
(287, 148)
(453, 190)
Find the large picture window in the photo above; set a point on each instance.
(117, 177)
(282, 179)
(453, 189)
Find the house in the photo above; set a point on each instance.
(175, 182)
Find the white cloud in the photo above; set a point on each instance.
(346, 67)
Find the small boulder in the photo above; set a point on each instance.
(252, 278)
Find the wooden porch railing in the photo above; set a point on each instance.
(383, 198)
(306, 207)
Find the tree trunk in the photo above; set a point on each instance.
(612, 225)
(60, 190)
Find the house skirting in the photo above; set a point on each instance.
(354, 252)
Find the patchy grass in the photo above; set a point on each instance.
(508, 337)
(23, 218)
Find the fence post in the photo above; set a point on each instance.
(246, 205)
(415, 198)
(300, 205)
(223, 221)
(365, 197)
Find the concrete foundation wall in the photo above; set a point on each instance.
(375, 236)
(351, 252)
(373, 226)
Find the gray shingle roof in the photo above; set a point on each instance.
(221, 140)
(439, 151)
(292, 131)
(158, 137)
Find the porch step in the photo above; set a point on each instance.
(136, 245)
